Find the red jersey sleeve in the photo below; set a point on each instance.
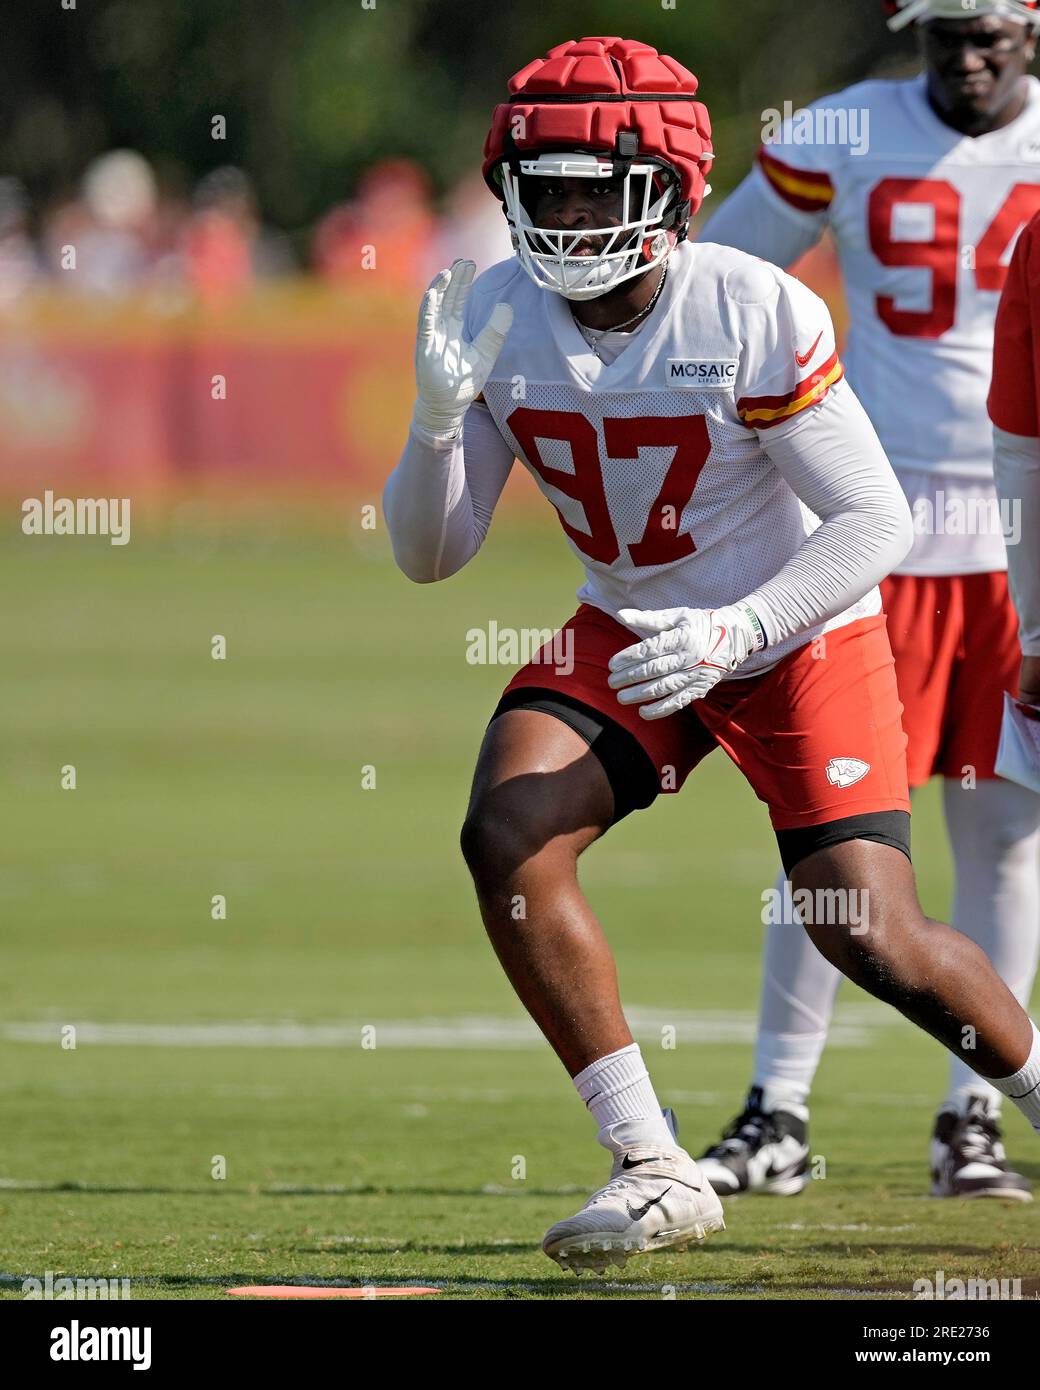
(1015, 388)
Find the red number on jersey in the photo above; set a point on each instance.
(661, 543)
(990, 269)
(661, 540)
(585, 484)
(941, 253)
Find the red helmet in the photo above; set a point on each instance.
(902, 13)
(601, 108)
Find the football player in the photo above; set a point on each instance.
(924, 208)
(683, 409)
(1014, 407)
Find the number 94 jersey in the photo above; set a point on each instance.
(657, 462)
(925, 220)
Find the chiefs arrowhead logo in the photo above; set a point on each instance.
(843, 772)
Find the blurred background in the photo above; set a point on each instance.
(259, 856)
(273, 185)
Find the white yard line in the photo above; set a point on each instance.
(854, 1027)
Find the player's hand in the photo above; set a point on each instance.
(449, 371)
(1029, 681)
(691, 652)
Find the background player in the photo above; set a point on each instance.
(923, 218)
(1014, 407)
(724, 492)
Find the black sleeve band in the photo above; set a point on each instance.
(885, 827)
(632, 776)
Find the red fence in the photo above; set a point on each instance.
(299, 384)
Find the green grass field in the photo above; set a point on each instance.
(242, 1038)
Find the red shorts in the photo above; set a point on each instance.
(818, 737)
(955, 642)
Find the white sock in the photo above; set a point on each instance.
(618, 1091)
(781, 1095)
(785, 1064)
(799, 986)
(1024, 1087)
(977, 1088)
(994, 832)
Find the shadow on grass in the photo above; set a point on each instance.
(224, 1189)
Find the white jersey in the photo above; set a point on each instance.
(925, 220)
(656, 461)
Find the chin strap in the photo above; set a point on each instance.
(626, 149)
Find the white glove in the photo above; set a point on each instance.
(449, 372)
(694, 648)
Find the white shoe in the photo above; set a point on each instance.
(656, 1199)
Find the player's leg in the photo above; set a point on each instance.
(540, 797)
(768, 1152)
(994, 830)
(821, 741)
(950, 724)
(994, 833)
(799, 987)
(766, 1148)
(935, 976)
(554, 773)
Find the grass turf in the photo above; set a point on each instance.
(349, 907)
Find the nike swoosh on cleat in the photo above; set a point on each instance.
(637, 1213)
(652, 1159)
(690, 1185)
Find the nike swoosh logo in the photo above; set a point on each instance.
(652, 1159)
(776, 1170)
(803, 359)
(637, 1213)
(718, 644)
(704, 661)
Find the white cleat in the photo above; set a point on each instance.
(656, 1199)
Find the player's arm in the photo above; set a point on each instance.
(792, 393)
(1016, 445)
(820, 440)
(831, 458)
(439, 500)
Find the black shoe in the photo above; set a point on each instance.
(760, 1152)
(968, 1157)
